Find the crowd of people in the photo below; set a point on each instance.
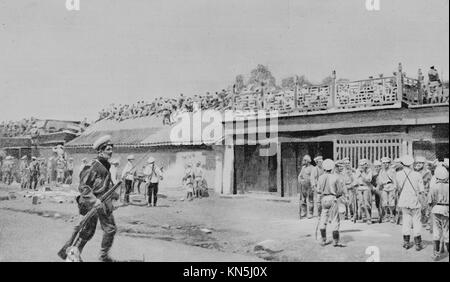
(248, 98)
(38, 171)
(23, 127)
(407, 191)
(167, 107)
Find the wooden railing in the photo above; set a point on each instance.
(343, 95)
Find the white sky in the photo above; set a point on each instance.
(64, 64)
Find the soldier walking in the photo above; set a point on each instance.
(306, 192)
(330, 190)
(419, 166)
(95, 181)
(438, 201)
(410, 185)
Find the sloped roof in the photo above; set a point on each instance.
(144, 131)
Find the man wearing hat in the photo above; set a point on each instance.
(95, 180)
(419, 166)
(152, 175)
(330, 190)
(349, 187)
(315, 174)
(34, 173)
(363, 179)
(198, 180)
(386, 185)
(128, 174)
(24, 171)
(306, 192)
(410, 185)
(438, 201)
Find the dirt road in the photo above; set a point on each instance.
(214, 228)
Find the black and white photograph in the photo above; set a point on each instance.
(224, 131)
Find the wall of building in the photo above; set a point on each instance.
(171, 159)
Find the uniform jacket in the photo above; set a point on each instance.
(95, 180)
(315, 174)
(386, 180)
(152, 173)
(438, 197)
(409, 191)
(304, 177)
(363, 179)
(330, 183)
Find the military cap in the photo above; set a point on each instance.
(385, 160)
(9, 158)
(102, 141)
(338, 162)
(318, 158)
(441, 173)
(420, 159)
(397, 160)
(307, 158)
(377, 163)
(363, 162)
(24, 157)
(130, 157)
(33, 157)
(328, 164)
(407, 160)
(151, 160)
(346, 160)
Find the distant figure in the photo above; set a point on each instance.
(34, 173)
(69, 171)
(306, 193)
(128, 174)
(188, 182)
(438, 201)
(24, 172)
(198, 180)
(152, 175)
(433, 75)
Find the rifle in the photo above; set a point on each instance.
(69, 246)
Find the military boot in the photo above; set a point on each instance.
(336, 239)
(323, 234)
(418, 242)
(107, 242)
(406, 239)
(436, 251)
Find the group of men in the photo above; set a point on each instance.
(389, 189)
(194, 182)
(151, 175)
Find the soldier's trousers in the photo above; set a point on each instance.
(306, 198)
(411, 219)
(329, 209)
(34, 181)
(440, 227)
(365, 201)
(108, 226)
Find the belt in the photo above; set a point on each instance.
(329, 195)
(442, 205)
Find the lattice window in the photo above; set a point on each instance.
(368, 148)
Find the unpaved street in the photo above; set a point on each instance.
(209, 229)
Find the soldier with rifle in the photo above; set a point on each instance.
(95, 199)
